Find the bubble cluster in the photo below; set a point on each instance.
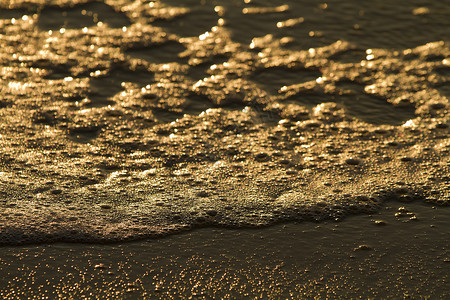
(108, 136)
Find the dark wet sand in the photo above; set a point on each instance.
(401, 252)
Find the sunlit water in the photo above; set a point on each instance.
(126, 120)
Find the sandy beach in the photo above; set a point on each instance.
(401, 252)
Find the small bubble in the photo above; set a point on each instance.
(352, 161)
(406, 158)
(202, 194)
(437, 106)
(211, 212)
(99, 266)
(402, 209)
(284, 161)
(392, 144)
(56, 191)
(363, 248)
(441, 126)
(380, 223)
(261, 156)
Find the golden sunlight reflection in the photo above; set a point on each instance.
(132, 120)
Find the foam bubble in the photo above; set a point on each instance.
(129, 149)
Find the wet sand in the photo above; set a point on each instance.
(401, 252)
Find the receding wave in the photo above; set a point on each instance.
(108, 134)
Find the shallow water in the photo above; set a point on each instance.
(127, 120)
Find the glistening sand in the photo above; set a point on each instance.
(377, 256)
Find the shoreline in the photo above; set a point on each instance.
(211, 224)
(380, 255)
